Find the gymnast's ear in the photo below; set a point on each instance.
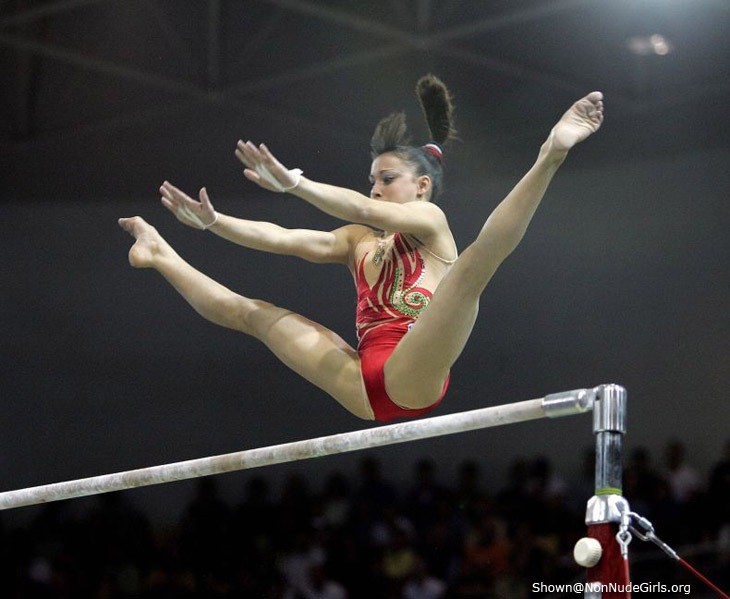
(424, 187)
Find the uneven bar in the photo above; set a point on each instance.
(569, 402)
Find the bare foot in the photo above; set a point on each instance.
(149, 245)
(581, 120)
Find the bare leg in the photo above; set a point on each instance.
(311, 350)
(441, 332)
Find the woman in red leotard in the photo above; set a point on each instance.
(417, 301)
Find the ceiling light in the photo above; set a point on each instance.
(645, 45)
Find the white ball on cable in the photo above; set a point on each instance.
(587, 552)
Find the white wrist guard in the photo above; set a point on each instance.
(189, 217)
(266, 175)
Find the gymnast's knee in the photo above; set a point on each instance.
(257, 317)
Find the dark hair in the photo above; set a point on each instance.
(391, 133)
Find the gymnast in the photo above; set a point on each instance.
(417, 300)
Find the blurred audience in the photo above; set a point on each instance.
(366, 538)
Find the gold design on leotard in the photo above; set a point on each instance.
(411, 301)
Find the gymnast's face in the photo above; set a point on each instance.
(394, 180)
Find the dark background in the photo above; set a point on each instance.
(623, 276)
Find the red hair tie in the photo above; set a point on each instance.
(435, 151)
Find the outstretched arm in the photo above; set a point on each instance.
(314, 246)
(422, 219)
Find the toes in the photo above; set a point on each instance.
(595, 96)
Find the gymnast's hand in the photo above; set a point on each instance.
(199, 215)
(264, 169)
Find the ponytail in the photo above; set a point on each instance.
(438, 108)
(391, 133)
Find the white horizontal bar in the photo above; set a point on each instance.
(298, 450)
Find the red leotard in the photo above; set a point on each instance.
(385, 312)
